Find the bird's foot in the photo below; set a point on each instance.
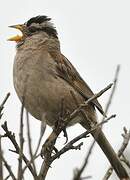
(49, 146)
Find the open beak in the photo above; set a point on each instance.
(17, 38)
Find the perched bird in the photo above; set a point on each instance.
(44, 76)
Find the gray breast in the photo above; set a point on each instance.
(35, 80)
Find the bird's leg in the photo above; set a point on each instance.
(60, 125)
(49, 145)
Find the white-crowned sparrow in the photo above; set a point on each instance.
(44, 76)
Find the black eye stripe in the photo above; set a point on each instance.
(49, 30)
(33, 29)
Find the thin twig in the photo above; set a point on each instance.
(76, 111)
(79, 172)
(7, 177)
(43, 128)
(30, 162)
(35, 156)
(20, 175)
(113, 89)
(126, 139)
(17, 148)
(126, 161)
(3, 103)
(1, 163)
(95, 96)
(1, 153)
(8, 168)
(30, 142)
(81, 136)
(38, 145)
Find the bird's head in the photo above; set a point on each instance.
(33, 26)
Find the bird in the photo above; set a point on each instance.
(44, 76)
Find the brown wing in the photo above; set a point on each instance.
(67, 71)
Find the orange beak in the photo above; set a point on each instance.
(17, 38)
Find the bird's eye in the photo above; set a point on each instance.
(32, 29)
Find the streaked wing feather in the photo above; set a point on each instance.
(67, 71)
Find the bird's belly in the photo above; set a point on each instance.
(30, 97)
(46, 99)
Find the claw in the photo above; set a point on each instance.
(65, 135)
(55, 149)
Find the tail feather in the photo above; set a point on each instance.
(108, 151)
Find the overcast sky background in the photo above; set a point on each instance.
(95, 37)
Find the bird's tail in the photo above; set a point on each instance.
(108, 151)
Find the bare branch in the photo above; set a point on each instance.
(30, 162)
(113, 89)
(3, 103)
(48, 160)
(126, 139)
(79, 172)
(8, 168)
(76, 111)
(7, 177)
(17, 148)
(95, 96)
(43, 127)
(126, 161)
(20, 174)
(1, 153)
(1, 163)
(69, 145)
(30, 143)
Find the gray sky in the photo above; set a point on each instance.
(95, 37)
